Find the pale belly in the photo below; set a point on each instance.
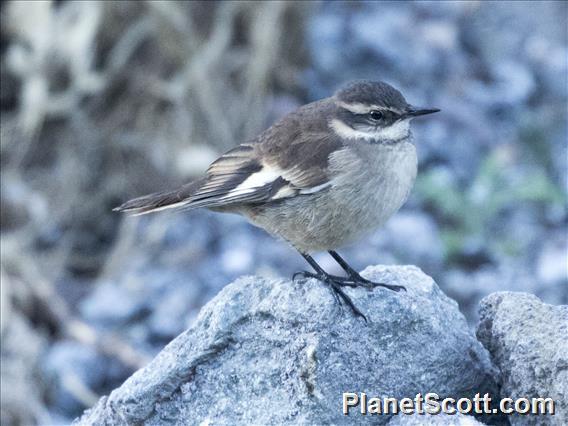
(357, 203)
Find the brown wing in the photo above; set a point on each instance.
(258, 173)
(286, 160)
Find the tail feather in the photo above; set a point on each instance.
(160, 200)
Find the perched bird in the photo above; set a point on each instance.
(321, 178)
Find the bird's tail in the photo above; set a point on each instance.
(158, 201)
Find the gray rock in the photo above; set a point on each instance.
(278, 352)
(528, 341)
(441, 419)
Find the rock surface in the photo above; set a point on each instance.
(441, 419)
(528, 341)
(277, 352)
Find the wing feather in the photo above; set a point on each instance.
(289, 159)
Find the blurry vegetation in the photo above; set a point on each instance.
(471, 216)
(102, 101)
(107, 100)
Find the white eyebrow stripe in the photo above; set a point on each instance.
(359, 108)
(356, 107)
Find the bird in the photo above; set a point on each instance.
(320, 178)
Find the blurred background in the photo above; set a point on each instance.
(105, 101)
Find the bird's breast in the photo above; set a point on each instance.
(373, 191)
(367, 188)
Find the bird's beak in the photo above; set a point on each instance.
(415, 112)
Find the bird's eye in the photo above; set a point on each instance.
(376, 115)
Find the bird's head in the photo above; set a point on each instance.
(374, 111)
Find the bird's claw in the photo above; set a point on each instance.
(336, 283)
(363, 282)
(396, 288)
(303, 275)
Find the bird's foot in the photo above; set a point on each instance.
(353, 280)
(335, 283)
(364, 282)
(341, 281)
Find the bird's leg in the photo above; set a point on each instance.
(357, 278)
(334, 282)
